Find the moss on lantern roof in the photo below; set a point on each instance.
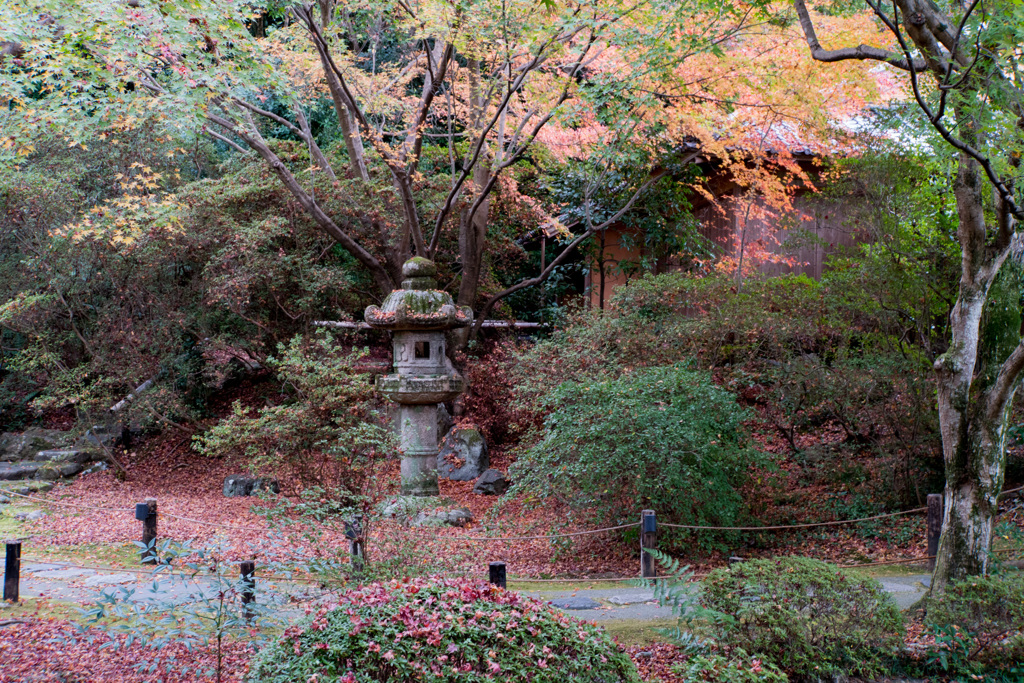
(418, 305)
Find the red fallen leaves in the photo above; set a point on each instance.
(46, 650)
(655, 661)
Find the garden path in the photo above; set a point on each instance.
(59, 581)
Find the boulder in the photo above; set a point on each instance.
(51, 471)
(30, 516)
(237, 485)
(4, 500)
(64, 456)
(453, 517)
(491, 483)
(17, 447)
(10, 471)
(463, 455)
(265, 484)
(100, 437)
(96, 467)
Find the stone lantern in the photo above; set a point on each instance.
(418, 315)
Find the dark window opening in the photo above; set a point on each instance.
(422, 349)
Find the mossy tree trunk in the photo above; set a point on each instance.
(973, 399)
(976, 379)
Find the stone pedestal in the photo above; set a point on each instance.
(417, 430)
(418, 315)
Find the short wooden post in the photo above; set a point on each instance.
(934, 526)
(12, 571)
(497, 576)
(354, 534)
(648, 541)
(146, 513)
(248, 571)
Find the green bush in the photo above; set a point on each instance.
(441, 630)
(734, 667)
(808, 617)
(665, 438)
(330, 411)
(979, 623)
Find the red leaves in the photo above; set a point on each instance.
(48, 650)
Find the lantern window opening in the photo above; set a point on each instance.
(421, 349)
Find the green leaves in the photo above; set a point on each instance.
(665, 438)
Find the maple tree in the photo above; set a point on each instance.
(963, 66)
(433, 102)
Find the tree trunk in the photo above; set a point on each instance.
(473, 229)
(974, 477)
(972, 417)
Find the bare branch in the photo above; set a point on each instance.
(227, 141)
(252, 137)
(863, 52)
(557, 261)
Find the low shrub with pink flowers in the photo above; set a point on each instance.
(441, 630)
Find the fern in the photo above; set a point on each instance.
(679, 591)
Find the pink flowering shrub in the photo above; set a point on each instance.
(441, 630)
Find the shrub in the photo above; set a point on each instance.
(441, 630)
(808, 617)
(665, 438)
(980, 620)
(733, 667)
(331, 410)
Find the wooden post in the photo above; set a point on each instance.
(497, 574)
(12, 571)
(146, 513)
(648, 541)
(248, 570)
(354, 534)
(934, 526)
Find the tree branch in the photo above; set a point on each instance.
(862, 52)
(253, 138)
(557, 261)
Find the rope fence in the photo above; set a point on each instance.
(147, 513)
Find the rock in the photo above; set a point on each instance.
(15, 447)
(61, 574)
(575, 603)
(463, 455)
(30, 516)
(44, 488)
(18, 470)
(51, 471)
(96, 467)
(63, 456)
(405, 507)
(632, 598)
(238, 485)
(491, 483)
(4, 500)
(109, 579)
(265, 484)
(455, 517)
(444, 421)
(99, 437)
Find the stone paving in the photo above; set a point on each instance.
(58, 581)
